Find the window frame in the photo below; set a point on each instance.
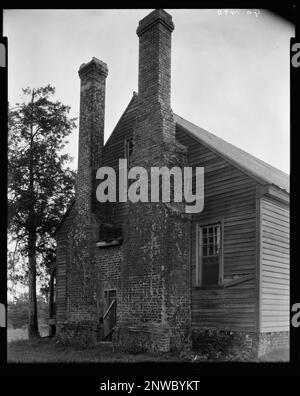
(199, 265)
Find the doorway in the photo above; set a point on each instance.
(110, 313)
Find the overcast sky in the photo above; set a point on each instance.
(230, 73)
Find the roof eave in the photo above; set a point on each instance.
(275, 192)
(261, 181)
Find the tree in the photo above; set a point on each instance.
(16, 311)
(40, 184)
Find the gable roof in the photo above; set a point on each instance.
(125, 123)
(249, 164)
(253, 166)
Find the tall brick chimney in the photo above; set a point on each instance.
(91, 132)
(154, 311)
(83, 231)
(155, 117)
(154, 33)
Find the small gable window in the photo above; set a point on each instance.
(128, 148)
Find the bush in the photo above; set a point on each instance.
(17, 312)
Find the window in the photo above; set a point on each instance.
(209, 255)
(128, 149)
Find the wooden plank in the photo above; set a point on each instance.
(275, 253)
(275, 275)
(273, 259)
(280, 269)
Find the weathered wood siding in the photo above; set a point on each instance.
(275, 266)
(61, 267)
(114, 150)
(229, 197)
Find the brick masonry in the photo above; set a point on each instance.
(109, 262)
(82, 307)
(151, 270)
(273, 340)
(154, 311)
(240, 344)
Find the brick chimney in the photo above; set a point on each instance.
(154, 33)
(91, 132)
(154, 310)
(81, 288)
(155, 124)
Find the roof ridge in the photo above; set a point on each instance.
(258, 168)
(132, 100)
(235, 147)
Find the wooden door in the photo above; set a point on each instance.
(110, 311)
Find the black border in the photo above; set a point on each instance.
(3, 199)
(139, 371)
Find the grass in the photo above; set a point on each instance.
(48, 350)
(22, 333)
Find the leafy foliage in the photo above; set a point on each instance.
(40, 184)
(17, 312)
(36, 135)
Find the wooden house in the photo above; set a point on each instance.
(144, 276)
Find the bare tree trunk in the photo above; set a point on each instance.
(33, 330)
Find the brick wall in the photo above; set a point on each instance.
(151, 270)
(273, 340)
(109, 261)
(239, 345)
(154, 308)
(91, 134)
(81, 236)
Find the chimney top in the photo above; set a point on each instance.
(156, 16)
(95, 65)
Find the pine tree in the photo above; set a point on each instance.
(40, 184)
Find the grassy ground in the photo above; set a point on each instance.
(22, 333)
(48, 350)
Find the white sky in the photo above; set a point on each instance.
(230, 73)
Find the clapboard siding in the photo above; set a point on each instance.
(61, 267)
(275, 268)
(229, 308)
(229, 197)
